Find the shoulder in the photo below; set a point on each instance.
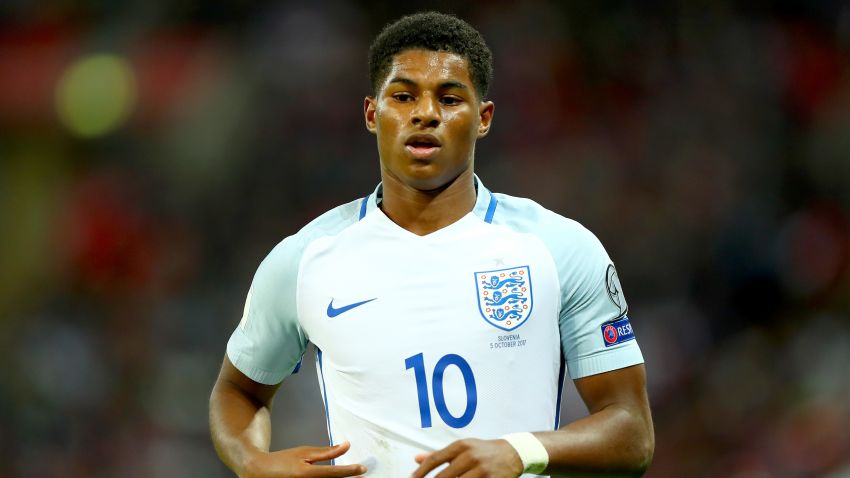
(579, 257)
(332, 222)
(563, 236)
(288, 252)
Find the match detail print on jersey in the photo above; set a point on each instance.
(504, 296)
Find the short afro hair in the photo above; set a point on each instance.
(436, 32)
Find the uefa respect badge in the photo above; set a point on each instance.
(617, 332)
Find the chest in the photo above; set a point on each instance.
(377, 297)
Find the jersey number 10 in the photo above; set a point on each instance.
(417, 363)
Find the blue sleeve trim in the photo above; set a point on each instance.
(363, 206)
(491, 209)
(325, 397)
(298, 365)
(561, 374)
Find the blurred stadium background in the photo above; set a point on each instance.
(152, 153)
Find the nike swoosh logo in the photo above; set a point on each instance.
(333, 312)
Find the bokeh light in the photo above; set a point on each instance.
(153, 153)
(96, 94)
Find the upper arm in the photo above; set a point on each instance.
(625, 387)
(269, 341)
(592, 302)
(240, 415)
(618, 402)
(232, 378)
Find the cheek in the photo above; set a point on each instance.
(387, 121)
(463, 126)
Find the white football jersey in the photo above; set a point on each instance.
(423, 340)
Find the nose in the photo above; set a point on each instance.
(426, 113)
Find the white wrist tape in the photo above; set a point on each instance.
(533, 454)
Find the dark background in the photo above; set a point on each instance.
(152, 153)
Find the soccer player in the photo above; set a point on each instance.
(444, 315)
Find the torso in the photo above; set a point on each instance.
(432, 296)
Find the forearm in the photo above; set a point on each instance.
(615, 440)
(240, 427)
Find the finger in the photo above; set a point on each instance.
(457, 467)
(333, 471)
(434, 460)
(325, 453)
(420, 457)
(474, 473)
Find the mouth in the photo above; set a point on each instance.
(422, 146)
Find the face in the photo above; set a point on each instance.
(427, 117)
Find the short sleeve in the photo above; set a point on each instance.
(268, 343)
(596, 333)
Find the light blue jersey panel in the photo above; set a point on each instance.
(591, 297)
(269, 342)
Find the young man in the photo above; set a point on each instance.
(443, 314)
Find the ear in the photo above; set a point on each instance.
(369, 110)
(485, 113)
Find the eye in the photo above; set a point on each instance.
(450, 100)
(403, 97)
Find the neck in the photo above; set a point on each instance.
(423, 212)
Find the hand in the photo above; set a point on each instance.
(299, 462)
(470, 458)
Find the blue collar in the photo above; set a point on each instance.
(485, 201)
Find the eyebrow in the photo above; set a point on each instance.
(442, 86)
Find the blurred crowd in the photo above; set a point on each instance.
(152, 153)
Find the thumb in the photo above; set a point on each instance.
(325, 453)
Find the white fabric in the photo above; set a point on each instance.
(531, 452)
(418, 338)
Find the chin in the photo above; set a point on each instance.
(426, 175)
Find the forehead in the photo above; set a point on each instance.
(425, 66)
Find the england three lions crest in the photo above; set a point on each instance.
(504, 296)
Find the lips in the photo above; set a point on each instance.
(422, 146)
